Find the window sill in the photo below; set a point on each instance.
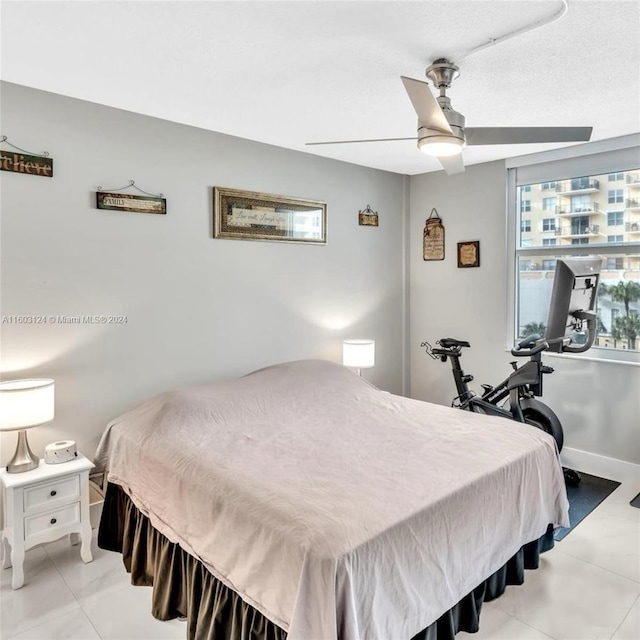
(635, 362)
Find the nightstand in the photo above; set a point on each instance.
(42, 505)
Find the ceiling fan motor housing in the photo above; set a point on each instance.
(456, 121)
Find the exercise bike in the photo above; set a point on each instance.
(571, 328)
(515, 397)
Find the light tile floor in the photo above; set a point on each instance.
(587, 588)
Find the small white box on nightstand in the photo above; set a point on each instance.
(62, 451)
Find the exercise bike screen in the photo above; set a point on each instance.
(575, 288)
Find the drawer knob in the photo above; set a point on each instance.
(53, 521)
(53, 493)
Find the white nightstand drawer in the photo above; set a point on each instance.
(50, 520)
(52, 493)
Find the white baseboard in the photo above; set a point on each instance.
(594, 464)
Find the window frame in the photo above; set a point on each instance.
(597, 158)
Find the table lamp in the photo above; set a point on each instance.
(359, 354)
(25, 404)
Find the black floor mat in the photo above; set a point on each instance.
(584, 498)
(636, 502)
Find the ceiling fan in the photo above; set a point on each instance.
(441, 130)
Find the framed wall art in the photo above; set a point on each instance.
(468, 254)
(249, 215)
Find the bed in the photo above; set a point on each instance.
(302, 502)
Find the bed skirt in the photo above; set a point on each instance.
(183, 587)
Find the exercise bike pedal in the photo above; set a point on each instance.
(572, 478)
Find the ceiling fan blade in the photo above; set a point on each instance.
(452, 164)
(429, 112)
(311, 144)
(520, 135)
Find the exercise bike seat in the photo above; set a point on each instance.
(447, 343)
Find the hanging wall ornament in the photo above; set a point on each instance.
(433, 237)
(368, 217)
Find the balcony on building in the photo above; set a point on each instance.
(633, 203)
(577, 185)
(578, 231)
(578, 209)
(632, 227)
(633, 180)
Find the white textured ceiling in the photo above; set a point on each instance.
(286, 73)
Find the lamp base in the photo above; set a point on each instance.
(23, 459)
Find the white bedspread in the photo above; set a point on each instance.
(336, 509)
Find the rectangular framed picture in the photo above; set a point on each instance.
(249, 215)
(468, 254)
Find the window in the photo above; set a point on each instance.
(615, 218)
(525, 226)
(615, 195)
(526, 188)
(581, 226)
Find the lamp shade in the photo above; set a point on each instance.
(26, 403)
(360, 354)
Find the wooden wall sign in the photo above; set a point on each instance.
(126, 202)
(27, 164)
(433, 238)
(368, 217)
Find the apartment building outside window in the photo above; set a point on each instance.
(583, 224)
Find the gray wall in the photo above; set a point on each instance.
(598, 402)
(198, 309)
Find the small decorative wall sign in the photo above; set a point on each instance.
(25, 162)
(248, 215)
(468, 254)
(149, 203)
(433, 237)
(368, 217)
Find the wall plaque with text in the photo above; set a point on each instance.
(126, 202)
(27, 164)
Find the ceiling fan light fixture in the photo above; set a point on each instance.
(441, 146)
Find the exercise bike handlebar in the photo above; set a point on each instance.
(518, 352)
